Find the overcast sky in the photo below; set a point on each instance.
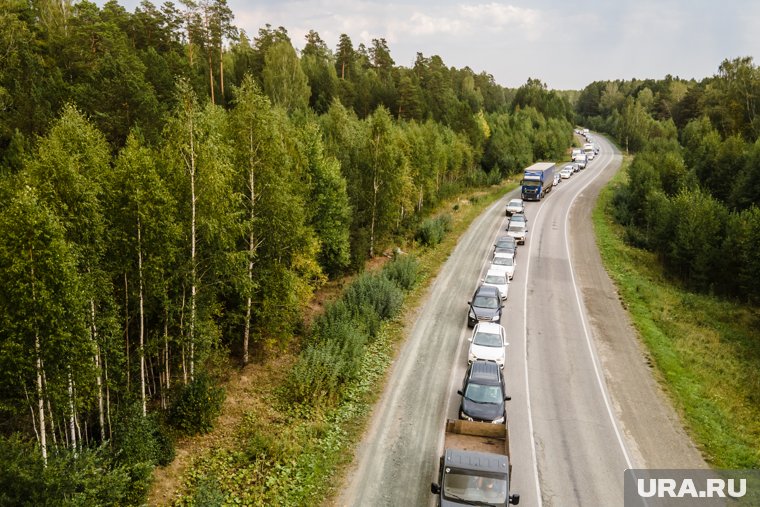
(566, 44)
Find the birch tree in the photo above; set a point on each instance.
(199, 154)
(68, 169)
(145, 233)
(41, 318)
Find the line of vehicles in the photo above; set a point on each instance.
(475, 468)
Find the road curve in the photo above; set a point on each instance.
(576, 372)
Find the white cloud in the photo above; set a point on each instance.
(499, 15)
(422, 24)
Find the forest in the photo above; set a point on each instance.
(172, 194)
(693, 188)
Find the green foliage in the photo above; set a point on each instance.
(375, 292)
(284, 80)
(432, 230)
(403, 270)
(85, 477)
(338, 338)
(141, 439)
(196, 406)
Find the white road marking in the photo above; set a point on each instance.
(594, 358)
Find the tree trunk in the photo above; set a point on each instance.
(182, 333)
(167, 365)
(72, 422)
(211, 75)
(40, 372)
(142, 312)
(191, 163)
(40, 399)
(98, 374)
(251, 244)
(108, 394)
(50, 416)
(221, 70)
(126, 324)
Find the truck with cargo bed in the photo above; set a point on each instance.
(537, 181)
(475, 467)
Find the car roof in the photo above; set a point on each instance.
(487, 290)
(515, 200)
(506, 255)
(484, 371)
(488, 327)
(495, 272)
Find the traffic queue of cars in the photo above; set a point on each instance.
(476, 468)
(486, 307)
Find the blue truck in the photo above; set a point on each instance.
(537, 181)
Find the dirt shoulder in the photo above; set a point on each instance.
(654, 431)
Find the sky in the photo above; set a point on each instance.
(565, 44)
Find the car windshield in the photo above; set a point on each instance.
(480, 393)
(503, 261)
(515, 204)
(487, 339)
(465, 486)
(495, 279)
(504, 243)
(489, 302)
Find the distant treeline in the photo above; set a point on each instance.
(172, 191)
(694, 186)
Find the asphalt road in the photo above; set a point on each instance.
(584, 404)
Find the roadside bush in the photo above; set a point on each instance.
(321, 370)
(431, 231)
(375, 292)
(403, 270)
(197, 406)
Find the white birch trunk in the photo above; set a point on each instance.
(193, 274)
(40, 399)
(142, 313)
(98, 375)
(40, 372)
(72, 422)
(108, 394)
(126, 324)
(251, 244)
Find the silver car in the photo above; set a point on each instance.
(497, 278)
(518, 230)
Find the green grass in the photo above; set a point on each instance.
(282, 457)
(706, 350)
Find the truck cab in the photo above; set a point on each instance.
(475, 467)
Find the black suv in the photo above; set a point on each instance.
(485, 306)
(483, 393)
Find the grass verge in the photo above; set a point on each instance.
(706, 350)
(283, 454)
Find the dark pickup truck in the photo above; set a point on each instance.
(475, 467)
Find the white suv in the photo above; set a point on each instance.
(489, 342)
